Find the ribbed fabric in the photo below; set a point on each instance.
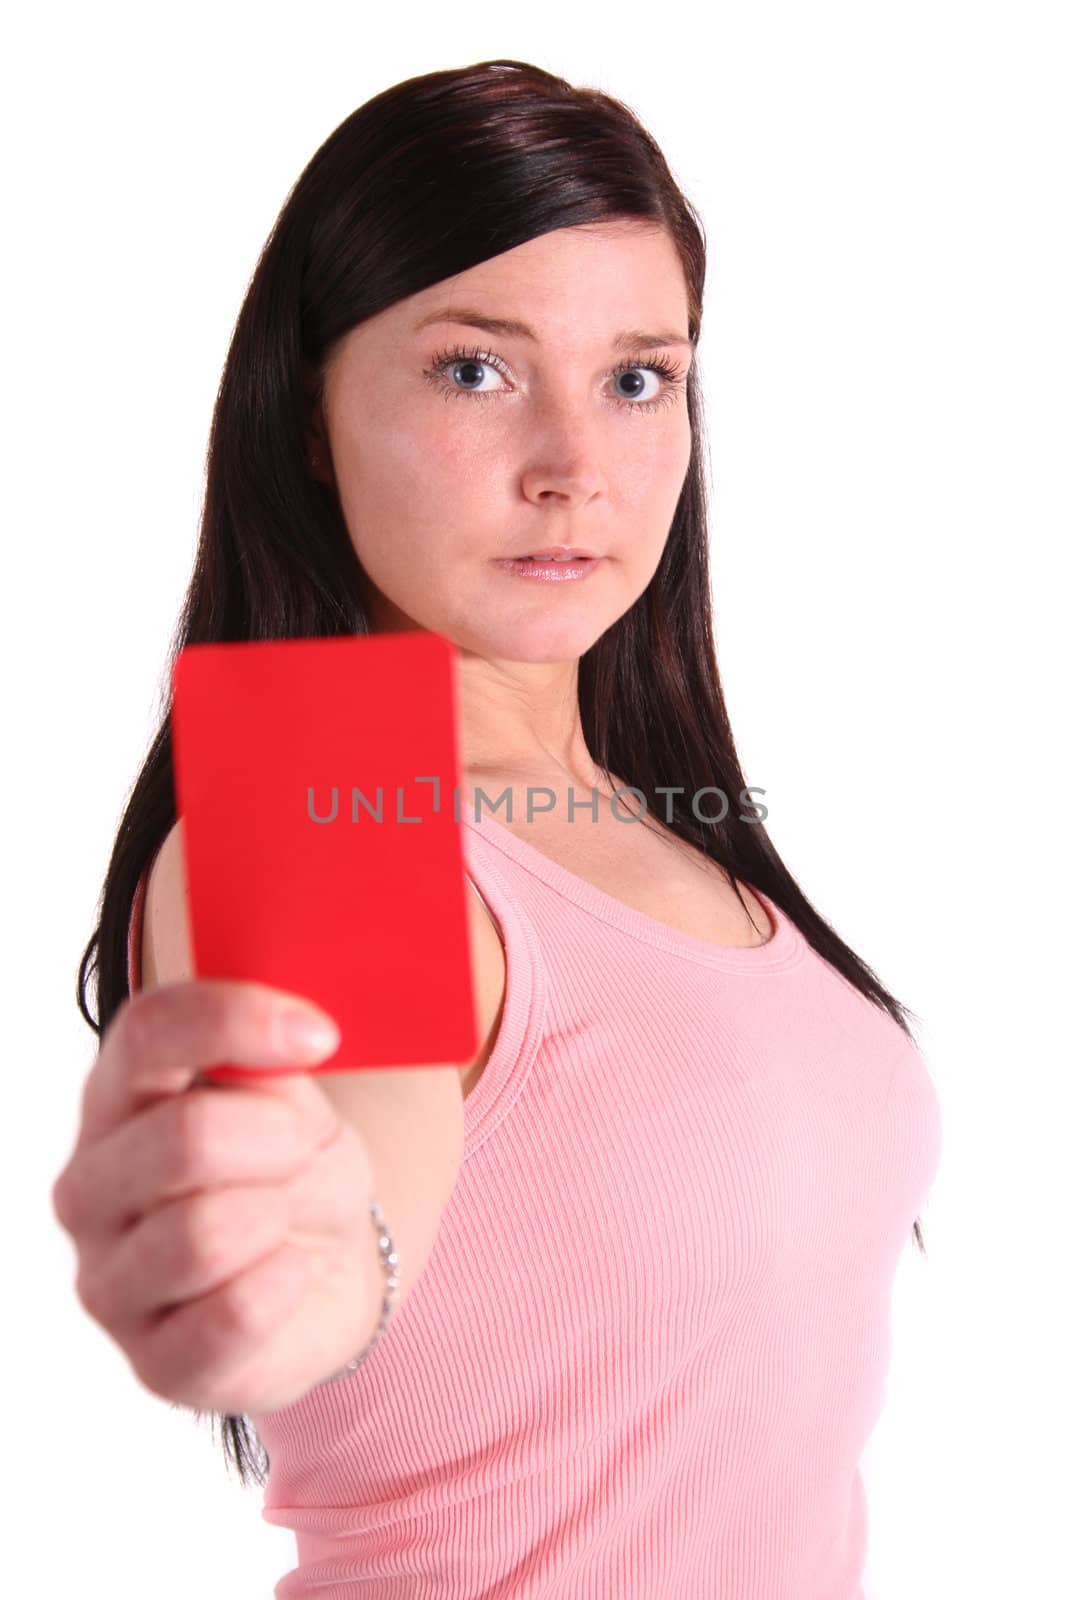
(652, 1337)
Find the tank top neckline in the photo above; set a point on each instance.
(784, 947)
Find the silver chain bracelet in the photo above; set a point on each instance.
(391, 1266)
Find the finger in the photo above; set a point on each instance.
(198, 1140)
(158, 1042)
(181, 1251)
(192, 1352)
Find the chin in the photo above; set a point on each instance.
(533, 643)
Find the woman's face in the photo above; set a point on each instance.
(442, 467)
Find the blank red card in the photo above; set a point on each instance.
(316, 779)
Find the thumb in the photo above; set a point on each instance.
(295, 1085)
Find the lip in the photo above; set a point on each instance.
(549, 571)
(553, 552)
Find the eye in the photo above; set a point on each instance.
(458, 370)
(470, 366)
(670, 378)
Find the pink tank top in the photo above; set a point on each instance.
(652, 1337)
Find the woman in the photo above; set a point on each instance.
(647, 1235)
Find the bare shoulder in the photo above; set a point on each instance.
(166, 942)
(489, 975)
(167, 956)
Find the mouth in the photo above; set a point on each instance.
(550, 568)
(556, 552)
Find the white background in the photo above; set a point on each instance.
(884, 352)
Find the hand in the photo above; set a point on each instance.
(222, 1231)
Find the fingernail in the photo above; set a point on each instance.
(305, 1034)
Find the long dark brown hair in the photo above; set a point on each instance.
(425, 180)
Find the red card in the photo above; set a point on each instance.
(293, 881)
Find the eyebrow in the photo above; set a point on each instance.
(508, 327)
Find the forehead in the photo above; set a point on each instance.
(574, 286)
(600, 271)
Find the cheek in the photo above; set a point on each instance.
(427, 468)
(654, 470)
(404, 492)
(674, 465)
(676, 445)
(390, 475)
